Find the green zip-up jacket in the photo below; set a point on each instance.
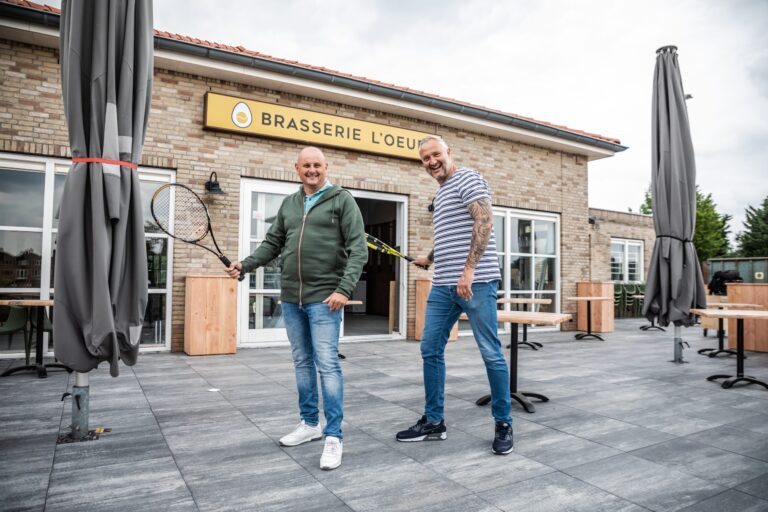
(323, 252)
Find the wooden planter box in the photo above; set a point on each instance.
(210, 315)
(755, 331)
(602, 311)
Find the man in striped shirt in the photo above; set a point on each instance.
(466, 279)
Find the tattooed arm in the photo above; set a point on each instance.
(482, 213)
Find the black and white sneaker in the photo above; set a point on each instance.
(502, 442)
(423, 431)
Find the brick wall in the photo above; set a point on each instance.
(521, 176)
(610, 224)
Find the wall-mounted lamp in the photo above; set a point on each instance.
(212, 185)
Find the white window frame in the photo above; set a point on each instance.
(626, 243)
(51, 167)
(506, 252)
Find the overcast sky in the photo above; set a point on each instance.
(587, 64)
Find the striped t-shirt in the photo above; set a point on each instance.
(453, 229)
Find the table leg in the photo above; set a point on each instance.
(654, 326)
(535, 345)
(731, 380)
(589, 333)
(39, 367)
(720, 342)
(518, 396)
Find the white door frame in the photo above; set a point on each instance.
(274, 337)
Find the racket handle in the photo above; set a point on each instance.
(410, 259)
(228, 264)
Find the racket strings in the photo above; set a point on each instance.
(191, 220)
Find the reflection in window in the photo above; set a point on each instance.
(58, 189)
(521, 235)
(264, 209)
(498, 231)
(265, 311)
(268, 276)
(519, 273)
(20, 259)
(148, 189)
(21, 198)
(157, 261)
(544, 274)
(545, 237)
(153, 331)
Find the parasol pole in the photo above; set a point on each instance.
(80, 406)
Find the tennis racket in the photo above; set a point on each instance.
(377, 245)
(192, 222)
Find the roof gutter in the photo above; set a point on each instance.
(174, 45)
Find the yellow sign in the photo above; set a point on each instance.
(270, 120)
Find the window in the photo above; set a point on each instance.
(626, 260)
(527, 245)
(30, 196)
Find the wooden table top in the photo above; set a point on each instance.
(524, 301)
(749, 314)
(528, 317)
(26, 302)
(732, 305)
(589, 298)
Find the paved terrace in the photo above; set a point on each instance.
(624, 431)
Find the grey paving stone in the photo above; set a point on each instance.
(557, 492)
(757, 487)
(645, 483)
(147, 484)
(704, 461)
(24, 490)
(730, 501)
(560, 450)
(607, 431)
(744, 442)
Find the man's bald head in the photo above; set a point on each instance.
(311, 168)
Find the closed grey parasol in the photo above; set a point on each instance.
(675, 283)
(101, 265)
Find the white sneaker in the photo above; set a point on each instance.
(303, 433)
(331, 458)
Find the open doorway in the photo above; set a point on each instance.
(378, 288)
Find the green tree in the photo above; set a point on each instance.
(712, 229)
(753, 241)
(711, 236)
(647, 206)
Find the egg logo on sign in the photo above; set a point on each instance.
(241, 115)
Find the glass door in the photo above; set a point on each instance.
(261, 315)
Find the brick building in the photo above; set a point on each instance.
(216, 108)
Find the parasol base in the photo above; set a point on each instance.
(92, 435)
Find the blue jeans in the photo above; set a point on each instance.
(313, 331)
(444, 305)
